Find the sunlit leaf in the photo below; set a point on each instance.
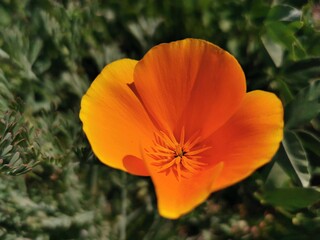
(296, 158)
(284, 13)
(274, 49)
(281, 25)
(277, 177)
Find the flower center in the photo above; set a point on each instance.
(179, 151)
(182, 158)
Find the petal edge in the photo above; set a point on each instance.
(113, 118)
(249, 139)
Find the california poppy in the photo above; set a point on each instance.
(181, 115)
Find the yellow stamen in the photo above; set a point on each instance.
(180, 157)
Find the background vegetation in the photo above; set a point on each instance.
(52, 186)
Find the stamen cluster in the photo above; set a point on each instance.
(180, 157)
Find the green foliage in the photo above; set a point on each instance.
(18, 151)
(304, 107)
(286, 197)
(51, 50)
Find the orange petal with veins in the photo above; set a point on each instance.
(177, 197)
(190, 83)
(114, 119)
(249, 139)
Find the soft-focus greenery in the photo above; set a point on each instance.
(52, 186)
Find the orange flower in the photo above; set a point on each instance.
(182, 116)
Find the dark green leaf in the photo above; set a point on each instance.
(277, 177)
(296, 157)
(279, 37)
(285, 92)
(304, 65)
(279, 32)
(291, 198)
(284, 13)
(304, 107)
(311, 141)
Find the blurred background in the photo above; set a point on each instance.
(52, 186)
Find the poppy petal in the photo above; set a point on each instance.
(249, 139)
(177, 197)
(114, 119)
(190, 83)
